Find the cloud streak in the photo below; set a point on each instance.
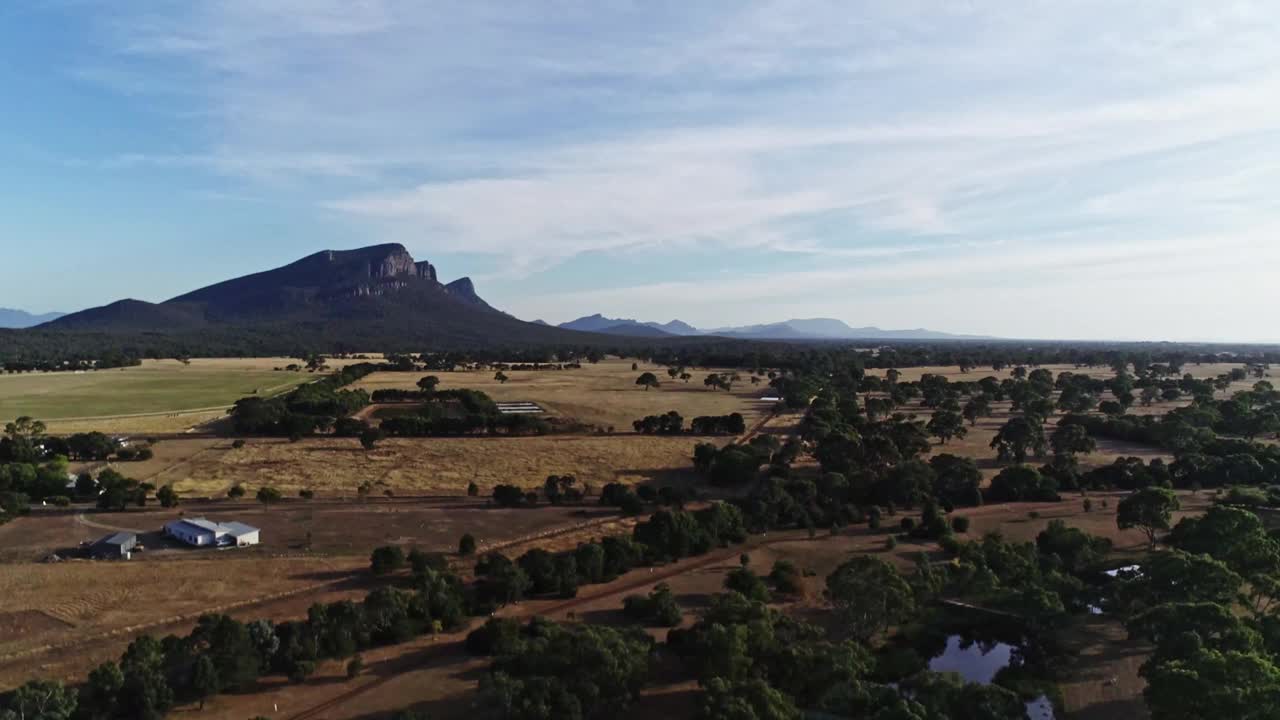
(889, 143)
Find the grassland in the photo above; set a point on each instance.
(143, 397)
(337, 466)
(604, 394)
(64, 618)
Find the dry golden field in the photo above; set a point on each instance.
(337, 466)
(604, 394)
(52, 613)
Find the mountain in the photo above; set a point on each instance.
(625, 326)
(634, 330)
(796, 329)
(12, 318)
(676, 327)
(830, 329)
(366, 298)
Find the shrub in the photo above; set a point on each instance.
(60, 500)
(467, 545)
(786, 578)
(890, 543)
(386, 559)
(237, 443)
(473, 490)
(907, 524)
(960, 524)
(355, 666)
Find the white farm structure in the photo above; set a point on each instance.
(199, 532)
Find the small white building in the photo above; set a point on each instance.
(200, 532)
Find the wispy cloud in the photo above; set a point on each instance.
(861, 137)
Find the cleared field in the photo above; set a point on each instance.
(604, 394)
(104, 605)
(155, 389)
(337, 466)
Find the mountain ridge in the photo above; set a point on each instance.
(364, 294)
(15, 318)
(793, 329)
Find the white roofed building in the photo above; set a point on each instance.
(200, 532)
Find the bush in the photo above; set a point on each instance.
(237, 444)
(960, 524)
(786, 578)
(950, 545)
(60, 500)
(236, 492)
(467, 545)
(386, 559)
(907, 524)
(742, 580)
(890, 543)
(355, 666)
(473, 490)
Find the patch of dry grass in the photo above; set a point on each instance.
(337, 466)
(604, 394)
(90, 598)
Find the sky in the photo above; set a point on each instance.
(1021, 169)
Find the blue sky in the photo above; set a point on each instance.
(1034, 169)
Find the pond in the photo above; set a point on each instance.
(979, 662)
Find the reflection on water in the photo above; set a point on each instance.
(979, 663)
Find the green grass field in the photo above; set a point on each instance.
(157, 386)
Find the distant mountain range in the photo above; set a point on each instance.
(372, 298)
(13, 318)
(796, 329)
(623, 326)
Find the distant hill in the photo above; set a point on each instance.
(796, 330)
(831, 329)
(365, 298)
(625, 326)
(13, 318)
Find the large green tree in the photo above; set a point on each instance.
(1149, 510)
(869, 594)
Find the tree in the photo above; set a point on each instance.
(167, 497)
(236, 492)
(945, 425)
(501, 377)
(268, 495)
(1149, 510)
(978, 406)
(1017, 437)
(870, 594)
(1068, 440)
(742, 580)
(386, 559)
(467, 545)
(648, 380)
(428, 383)
(204, 678)
(41, 700)
(370, 437)
(752, 699)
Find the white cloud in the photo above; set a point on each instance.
(863, 136)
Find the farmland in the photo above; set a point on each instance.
(337, 466)
(413, 493)
(602, 394)
(144, 398)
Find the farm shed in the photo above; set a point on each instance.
(117, 546)
(206, 533)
